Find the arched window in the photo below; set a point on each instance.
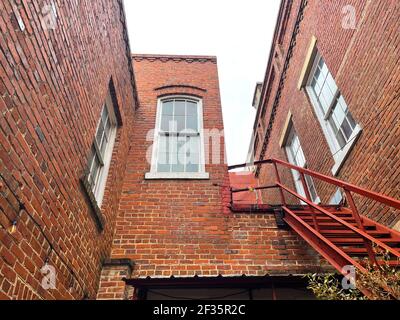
(178, 151)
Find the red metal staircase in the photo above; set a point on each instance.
(340, 234)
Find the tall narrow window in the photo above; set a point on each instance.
(340, 128)
(101, 152)
(296, 157)
(178, 149)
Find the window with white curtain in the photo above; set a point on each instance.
(178, 143)
(296, 157)
(339, 126)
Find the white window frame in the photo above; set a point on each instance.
(99, 186)
(291, 132)
(339, 153)
(337, 197)
(201, 174)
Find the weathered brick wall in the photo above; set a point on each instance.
(365, 64)
(183, 228)
(53, 84)
(112, 286)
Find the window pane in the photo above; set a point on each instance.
(178, 165)
(339, 136)
(108, 128)
(324, 68)
(338, 115)
(104, 115)
(163, 164)
(179, 108)
(192, 117)
(167, 124)
(345, 108)
(168, 108)
(351, 120)
(317, 74)
(347, 130)
(103, 146)
(179, 123)
(325, 104)
(320, 80)
(163, 158)
(330, 82)
(328, 95)
(163, 168)
(192, 123)
(193, 148)
(193, 154)
(316, 87)
(300, 160)
(192, 168)
(311, 187)
(94, 172)
(163, 144)
(191, 108)
(90, 164)
(100, 133)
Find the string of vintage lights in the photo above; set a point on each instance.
(13, 229)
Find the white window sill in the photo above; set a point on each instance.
(344, 153)
(177, 176)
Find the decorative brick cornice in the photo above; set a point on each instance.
(128, 51)
(174, 58)
(289, 55)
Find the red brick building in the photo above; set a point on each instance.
(113, 177)
(331, 85)
(174, 222)
(59, 66)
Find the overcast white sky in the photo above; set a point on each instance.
(238, 32)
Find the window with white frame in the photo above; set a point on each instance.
(337, 198)
(101, 152)
(178, 150)
(296, 157)
(338, 124)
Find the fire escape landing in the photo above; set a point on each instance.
(340, 234)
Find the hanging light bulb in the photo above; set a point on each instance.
(13, 228)
(251, 189)
(71, 286)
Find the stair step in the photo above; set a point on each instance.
(350, 233)
(359, 251)
(328, 219)
(344, 241)
(339, 214)
(337, 225)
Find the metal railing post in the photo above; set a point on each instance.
(357, 218)
(278, 179)
(308, 196)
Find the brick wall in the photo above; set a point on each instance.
(183, 228)
(53, 84)
(365, 64)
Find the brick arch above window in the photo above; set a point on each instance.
(180, 89)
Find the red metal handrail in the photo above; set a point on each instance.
(361, 233)
(339, 183)
(348, 189)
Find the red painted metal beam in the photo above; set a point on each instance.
(341, 184)
(361, 191)
(335, 256)
(344, 223)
